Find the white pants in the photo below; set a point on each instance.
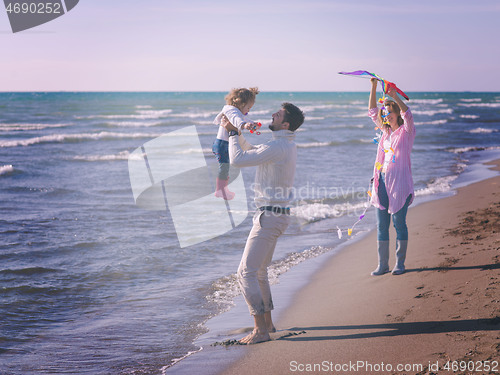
(258, 253)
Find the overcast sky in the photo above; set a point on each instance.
(293, 45)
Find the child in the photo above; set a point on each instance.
(238, 104)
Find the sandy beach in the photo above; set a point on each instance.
(442, 316)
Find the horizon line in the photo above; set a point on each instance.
(220, 91)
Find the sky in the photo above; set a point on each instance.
(293, 45)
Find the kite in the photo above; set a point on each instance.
(385, 84)
(255, 129)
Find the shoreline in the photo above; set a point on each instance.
(443, 309)
(291, 285)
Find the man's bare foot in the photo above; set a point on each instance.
(271, 329)
(255, 337)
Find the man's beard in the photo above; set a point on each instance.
(271, 127)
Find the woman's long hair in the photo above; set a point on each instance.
(393, 107)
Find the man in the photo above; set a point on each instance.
(276, 162)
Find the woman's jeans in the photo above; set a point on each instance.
(220, 149)
(384, 217)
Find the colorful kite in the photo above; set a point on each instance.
(385, 84)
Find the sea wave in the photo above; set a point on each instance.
(448, 111)
(485, 105)
(6, 169)
(27, 127)
(311, 108)
(473, 117)
(204, 122)
(124, 155)
(439, 185)
(224, 290)
(258, 113)
(141, 114)
(316, 144)
(60, 138)
(312, 212)
(460, 150)
(195, 151)
(427, 101)
(137, 124)
(28, 271)
(471, 100)
(435, 122)
(195, 115)
(78, 137)
(482, 130)
(347, 126)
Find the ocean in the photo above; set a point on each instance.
(91, 283)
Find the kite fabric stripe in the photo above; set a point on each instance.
(385, 84)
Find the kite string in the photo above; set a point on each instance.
(349, 230)
(376, 140)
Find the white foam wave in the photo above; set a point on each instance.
(482, 130)
(124, 155)
(134, 123)
(460, 150)
(141, 114)
(204, 122)
(195, 115)
(176, 360)
(435, 122)
(195, 151)
(59, 138)
(313, 144)
(143, 106)
(471, 100)
(356, 115)
(439, 185)
(226, 288)
(318, 211)
(432, 112)
(258, 113)
(311, 108)
(427, 101)
(473, 117)
(346, 126)
(486, 105)
(25, 127)
(5, 169)
(150, 113)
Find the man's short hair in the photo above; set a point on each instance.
(293, 115)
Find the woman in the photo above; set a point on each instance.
(392, 191)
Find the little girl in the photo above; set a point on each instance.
(238, 104)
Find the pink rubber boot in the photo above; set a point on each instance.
(221, 190)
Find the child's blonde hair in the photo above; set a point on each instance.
(239, 97)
